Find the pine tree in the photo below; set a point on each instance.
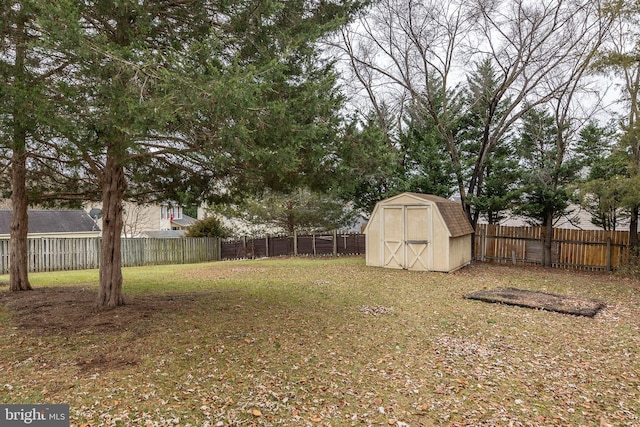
(547, 176)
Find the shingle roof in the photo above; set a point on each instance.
(52, 221)
(164, 234)
(452, 214)
(185, 221)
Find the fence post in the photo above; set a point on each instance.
(266, 246)
(609, 253)
(244, 246)
(483, 244)
(335, 243)
(313, 244)
(295, 243)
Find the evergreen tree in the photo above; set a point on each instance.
(426, 165)
(301, 211)
(30, 81)
(198, 95)
(620, 56)
(367, 163)
(497, 175)
(600, 192)
(548, 173)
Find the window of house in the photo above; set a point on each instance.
(170, 212)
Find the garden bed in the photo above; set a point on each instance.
(567, 304)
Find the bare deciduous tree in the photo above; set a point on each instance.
(420, 51)
(622, 57)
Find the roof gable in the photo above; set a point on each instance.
(52, 221)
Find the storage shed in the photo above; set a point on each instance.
(418, 232)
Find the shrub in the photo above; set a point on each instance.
(629, 264)
(208, 227)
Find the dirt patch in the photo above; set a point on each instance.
(70, 310)
(540, 300)
(104, 363)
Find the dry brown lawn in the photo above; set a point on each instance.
(322, 342)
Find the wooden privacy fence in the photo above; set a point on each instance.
(315, 244)
(584, 249)
(53, 254)
(594, 250)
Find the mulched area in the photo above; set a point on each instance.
(540, 300)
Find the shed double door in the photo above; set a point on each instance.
(406, 237)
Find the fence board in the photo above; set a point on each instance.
(594, 250)
(583, 249)
(313, 245)
(54, 254)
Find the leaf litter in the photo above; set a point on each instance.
(274, 348)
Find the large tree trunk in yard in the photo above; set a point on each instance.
(19, 260)
(18, 256)
(113, 189)
(633, 231)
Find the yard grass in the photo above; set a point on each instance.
(326, 342)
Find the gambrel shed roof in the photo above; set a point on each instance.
(452, 213)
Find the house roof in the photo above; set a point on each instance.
(451, 212)
(52, 221)
(185, 221)
(164, 234)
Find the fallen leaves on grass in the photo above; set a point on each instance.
(296, 346)
(375, 310)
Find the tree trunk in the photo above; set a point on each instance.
(113, 189)
(19, 260)
(548, 236)
(634, 245)
(18, 257)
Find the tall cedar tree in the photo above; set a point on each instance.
(195, 93)
(368, 162)
(28, 79)
(496, 190)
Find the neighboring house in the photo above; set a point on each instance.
(177, 220)
(577, 218)
(53, 223)
(183, 223)
(165, 220)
